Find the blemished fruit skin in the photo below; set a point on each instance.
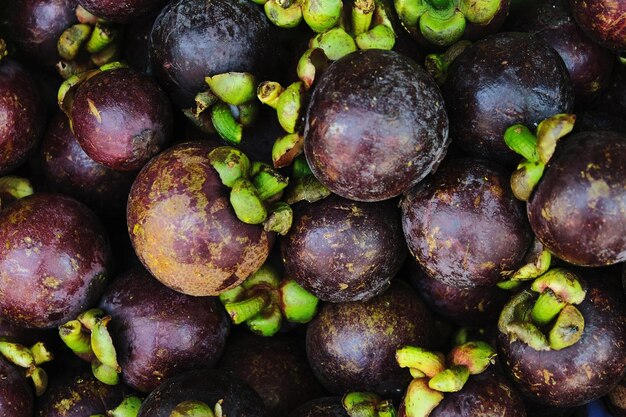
(578, 209)
(54, 260)
(375, 126)
(159, 333)
(361, 243)
(16, 396)
(22, 114)
(602, 20)
(184, 229)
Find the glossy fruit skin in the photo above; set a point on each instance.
(321, 407)
(36, 26)
(209, 387)
(351, 346)
(375, 126)
(583, 372)
(501, 80)
(159, 333)
(276, 367)
(69, 170)
(54, 260)
(463, 224)
(121, 11)
(193, 39)
(121, 118)
(361, 245)
(184, 229)
(578, 210)
(22, 113)
(589, 65)
(602, 20)
(75, 392)
(16, 396)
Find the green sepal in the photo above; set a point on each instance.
(41, 353)
(550, 131)
(269, 182)
(525, 178)
(40, 380)
(367, 404)
(311, 64)
(289, 107)
(476, 356)
(362, 14)
(286, 18)
(232, 295)
(245, 200)
(129, 407)
(410, 11)
(419, 399)
(204, 100)
(297, 304)
(480, 12)
(565, 284)
(113, 66)
(430, 363)
(300, 168)
(268, 323)
(248, 113)
(225, 124)
(244, 310)
(380, 37)
(76, 339)
(110, 53)
(102, 344)
(90, 318)
(307, 188)
(268, 92)
(450, 380)
(528, 333)
(321, 15)
(234, 88)
(336, 43)
(286, 148)
(192, 409)
(17, 354)
(440, 30)
(279, 219)
(546, 307)
(522, 141)
(105, 373)
(568, 328)
(71, 40)
(230, 163)
(266, 276)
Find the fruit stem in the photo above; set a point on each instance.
(267, 323)
(241, 311)
(40, 380)
(246, 202)
(101, 37)
(268, 92)
(17, 354)
(362, 13)
(102, 344)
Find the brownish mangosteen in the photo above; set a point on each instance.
(54, 260)
(184, 229)
(375, 126)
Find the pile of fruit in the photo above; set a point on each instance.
(312, 208)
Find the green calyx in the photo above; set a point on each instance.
(3, 49)
(536, 150)
(336, 43)
(129, 407)
(451, 379)
(419, 399)
(279, 219)
(225, 124)
(379, 37)
(230, 163)
(366, 404)
(268, 182)
(268, 92)
(437, 64)
(234, 88)
(196, 409)
(247, 203)
(536, 263)
(284, 17)
(476, 356)
(549, 305)
(321, 15)
(289, 106)
(29, 359)
(306, 188)
(286, 148)
(263, 300)
(427, 362)
(14, 188)
(312, 63)
(480, 12)
(442, 29)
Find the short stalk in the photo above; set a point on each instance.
(40, 380)
(17, 354)
(101, 37)
(362, 13)
(268, 92)
(90, 318)
(321, 15)
(244, 310)
(522, 141)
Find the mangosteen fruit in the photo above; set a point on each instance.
(204, 388)
(184, 229)
(352, 345)
(54, 260)
(602, 20)
(501, 80)
(464, 226)
(16, 396)
(121, 11)
(361, 244)
(121, 118)
(375, 126)
(159, 333)
(193, 39)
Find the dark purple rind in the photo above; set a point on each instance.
(499, 81)
(193, 39)
(184, 229)
(16, 396)
(209, 387)
(464, 226)
(321, 407)
(69, 170)
(352, 346)
(578, 210)
(488, 394)
(602, 20)
(121, 11)
(53, 260)
(466, 307)
(77, 393)
(276, 367)
(159, 333)
(36, 26)
(580, 373)
(343, 250)
(121, 118)
(589, 65)
(21, 113)
(375, 126)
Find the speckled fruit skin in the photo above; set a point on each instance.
(276, 367)
(184, 229)
(121, 11)
(53, 262)
(192, 39)
(488, 394)
(159, 333)
(321, 407)
(504, 79)
(583, 372)
(121, 118)
(578, 210)
(375, 126)
(21, 113)
(589, 65)
(209, 387)
(352, 346)
(602, 20)
(36, 26)
(16, 396)
(77, 393)
(69, 170)
(361, 245)
(464, 226)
